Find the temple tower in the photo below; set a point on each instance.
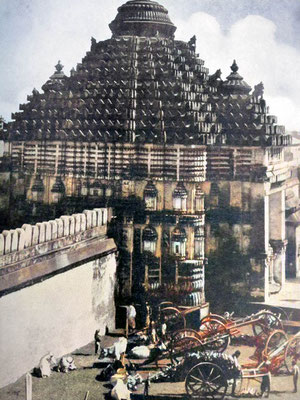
(141, 126)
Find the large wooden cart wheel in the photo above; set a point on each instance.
(292, 353)
(214, 335)
(173, 318)
(276, 343)
(165, 304)
(215, 317)
(267, 323)
(186, 332)
(182, 345)
(206, 380)
(283, 314)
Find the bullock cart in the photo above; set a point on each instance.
(215, 332)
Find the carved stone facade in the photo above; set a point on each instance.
(142, 126)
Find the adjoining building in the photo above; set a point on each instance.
(142, 126)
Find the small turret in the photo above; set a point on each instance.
(235, 83)
(56, 80)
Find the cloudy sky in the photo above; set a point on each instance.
(262, 35)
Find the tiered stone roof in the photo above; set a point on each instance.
(245, 117)
(142, 86)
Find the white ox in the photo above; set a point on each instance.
(140, 352)
(120, 391)
(116, 350)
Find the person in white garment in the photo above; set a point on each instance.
(131, 314)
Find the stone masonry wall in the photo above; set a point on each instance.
(59, 315)
(18, 244)
(57, 287)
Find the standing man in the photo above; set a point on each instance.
(295, 372)
(131, 314)
(266, 385)
(146, 387)
(163, 330)
(148, 315)
(97, 341)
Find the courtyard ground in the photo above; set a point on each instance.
(74, 385)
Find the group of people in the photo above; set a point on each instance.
(157, 336)
(266, 380)
(150, 326)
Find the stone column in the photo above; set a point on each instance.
(283, 251)
(266, 238)
(277, 233)
(267, 278)
(28, 386)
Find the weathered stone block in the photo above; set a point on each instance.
(7, 238)
(2, 244)
(88, 214)
(82, 222)
(22, 238)
(104, 216)
(60, 228)
(42, 233)
(94, 218)
(99, 216)
(28, 235)
(53, 229)
(77, 218)
(48, 231)
(66, 222)
(14, 240)
(35, 235)
(72, 225)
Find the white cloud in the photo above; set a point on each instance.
(252, 42)
(287, 109)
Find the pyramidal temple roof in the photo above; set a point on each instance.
(143, 86)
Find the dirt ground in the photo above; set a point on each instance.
(74, 385)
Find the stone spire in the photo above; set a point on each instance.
(59, 73)
(142, 18)
(235, 83)
(56, 81)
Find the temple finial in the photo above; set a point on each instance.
(59, 67)
(93, 43)
(192, 42)
(234, 67)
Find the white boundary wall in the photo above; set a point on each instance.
(59, 315)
